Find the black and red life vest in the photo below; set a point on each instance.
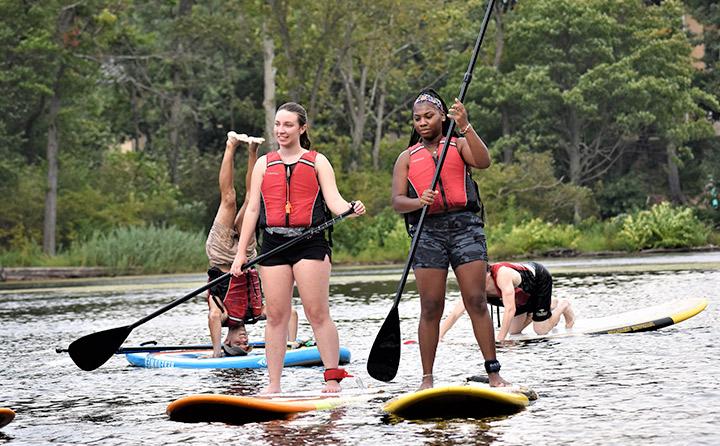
(522, 291)
(290, 196)
(458, 191)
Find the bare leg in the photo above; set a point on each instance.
(519, 323)
(293, 326)
(569, 316)
(471, 278)
(313, 282)
(215, 317)
(277, 308)
(545, 326)
(431, 287)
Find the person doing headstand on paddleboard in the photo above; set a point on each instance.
(291, 190)
(238, 301)
(453, 228)
(525, 291)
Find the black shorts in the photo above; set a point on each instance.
(541, 300)
(450, 239)
(314, 248)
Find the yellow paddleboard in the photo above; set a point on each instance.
(6, 416)
(232, 409)
(469, 401)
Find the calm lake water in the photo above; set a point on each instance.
(652, 388)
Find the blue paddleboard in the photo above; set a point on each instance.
(200, 359)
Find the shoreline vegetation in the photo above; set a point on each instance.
(382, 240)
(40, 274)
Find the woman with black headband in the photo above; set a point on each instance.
(452, 233)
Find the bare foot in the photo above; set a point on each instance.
(569, 316)
(427, 382)
(331, 386)
(496, 380)
(271, 388)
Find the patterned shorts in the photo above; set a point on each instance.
(222, 244)
(450, 239)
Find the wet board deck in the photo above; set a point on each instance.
(643, 319)
(200, 359)
(6, 416)
(232, 409)
(459, 401)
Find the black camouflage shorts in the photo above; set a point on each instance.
(450, 239)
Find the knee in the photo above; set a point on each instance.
(228, 198)
(215, 316)
(277, 316)
(432, 309)
(476, 305)
(542, 328)
(317, 315)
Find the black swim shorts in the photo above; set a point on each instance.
(450, 239)
(314, 248)
(540, 294)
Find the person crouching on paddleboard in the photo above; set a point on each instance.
(238, 301)
(452, 232)
(289, 192)
(525, 291)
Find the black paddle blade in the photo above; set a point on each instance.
(93, 350)
(384, 356)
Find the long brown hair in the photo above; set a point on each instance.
(301, 113)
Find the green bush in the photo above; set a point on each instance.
(377, 239)
(663, 226)
(532, 237)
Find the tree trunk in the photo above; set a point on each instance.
(269, 72)
(573, 151)
(499, 35)
(508, 150)
(676, 194)
(379, 117)
(280, 8)
(355, 99)
(50, 218)
(175, 125)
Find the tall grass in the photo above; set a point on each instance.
(143, 250)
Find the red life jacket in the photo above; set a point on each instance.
(291, 196)
(458, 191)
(527, 279)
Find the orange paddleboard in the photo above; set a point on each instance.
(6, 416)
(232, 409)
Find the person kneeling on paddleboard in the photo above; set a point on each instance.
(525, 291)
(237, 301)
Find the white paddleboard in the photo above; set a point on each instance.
(643, 319)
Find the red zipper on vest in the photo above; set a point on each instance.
(288, 206)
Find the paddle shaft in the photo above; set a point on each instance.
(443, 154)
(305, 235)
(384, 357)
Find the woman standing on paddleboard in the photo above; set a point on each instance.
(289, 192)
(452, 233)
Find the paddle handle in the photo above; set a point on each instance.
(306, 234)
